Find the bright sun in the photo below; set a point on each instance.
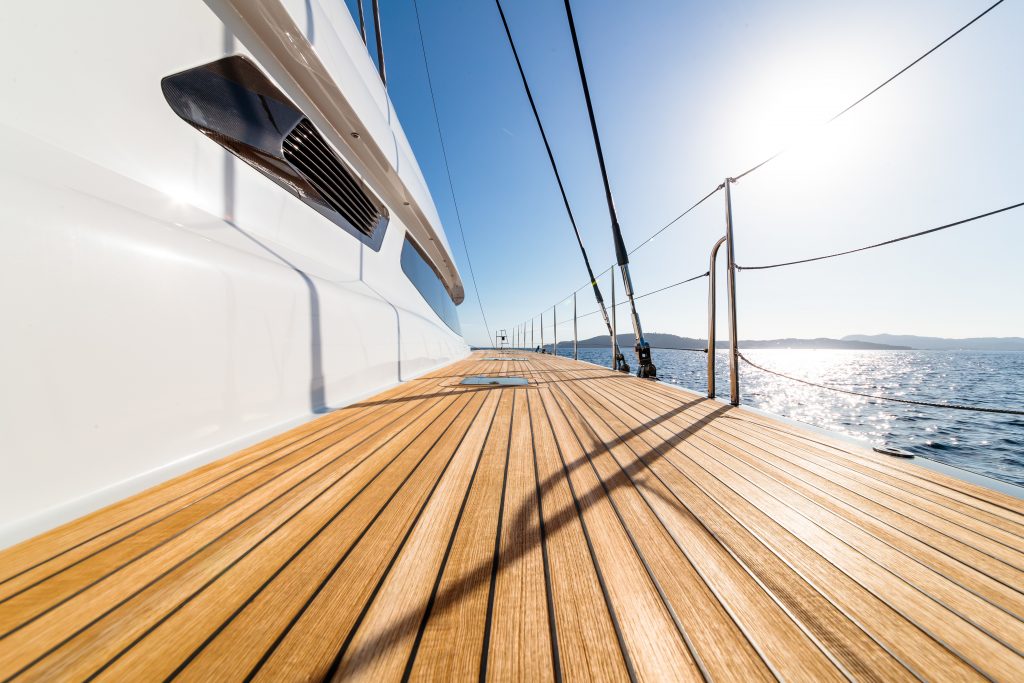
(788, 111)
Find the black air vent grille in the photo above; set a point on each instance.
(313, 158)
(234, 104)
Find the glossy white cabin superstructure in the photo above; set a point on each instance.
(163, 302)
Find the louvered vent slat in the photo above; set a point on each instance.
(319, 146)
(304, 149)
(304, 162)
(322, 159)
(234, 104)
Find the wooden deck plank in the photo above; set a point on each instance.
(862, 505)
(901, 473)
(876, 565)
(654, 646)
(881, 536)
(172, 640)
(949, 628)
(588, 526)
(383, 642)
(934, 505)
(758, 585)
(698, 614)
(305, 615)
(989, 506)
(519, 643)
(452, 638)
(899, 636)
(589, 646)
(180, 490)
(180, 581)
(58, 582)
(840, 484)
(232, 524)
(760, 459)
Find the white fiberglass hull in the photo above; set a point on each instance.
(163, 302)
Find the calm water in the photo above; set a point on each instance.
(985, 443)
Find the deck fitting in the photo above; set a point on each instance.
(496, 381)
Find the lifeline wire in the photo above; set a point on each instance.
(879, 87)
(681, 282)
(783, 151)
(887, 242)
(844, 111)
(656, 348)
(703, 199)
(953, 406)
(448, 171)
(661, 289)
(665, 227)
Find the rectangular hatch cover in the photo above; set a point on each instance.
(496, 381)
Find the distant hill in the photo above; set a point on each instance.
(672, 341)
(943, 344)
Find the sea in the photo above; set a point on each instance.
(986, 443)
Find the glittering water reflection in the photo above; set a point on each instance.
(986, 443)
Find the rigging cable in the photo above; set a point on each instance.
(954, 406)
(880, 86)
(655, 291)
(362, 22)
(887, 242)
(619, 360)
(676, 284)
(638, 296)
(448, 171)
(375, 5)
(672, 222)
(660, 230)
(643, 350)
(784, 150)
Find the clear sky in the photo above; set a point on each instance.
(687, 93)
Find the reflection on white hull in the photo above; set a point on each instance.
(164, 302)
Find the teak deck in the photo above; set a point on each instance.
(589, 525)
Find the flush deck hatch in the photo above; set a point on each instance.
(496, 381)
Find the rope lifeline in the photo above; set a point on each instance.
(652, 236)
(953, 406)
(656, 348)
(885, 243)
(681, 282)
(703, 199)
(661, 289)
(784, 150)
(879, 87)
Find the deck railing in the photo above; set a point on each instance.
(732, 268)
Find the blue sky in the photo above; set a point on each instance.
(689, 93)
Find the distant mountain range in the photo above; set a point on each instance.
(672, 341)
(863, 342)
(941, 343)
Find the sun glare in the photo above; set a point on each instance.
(789, 111)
